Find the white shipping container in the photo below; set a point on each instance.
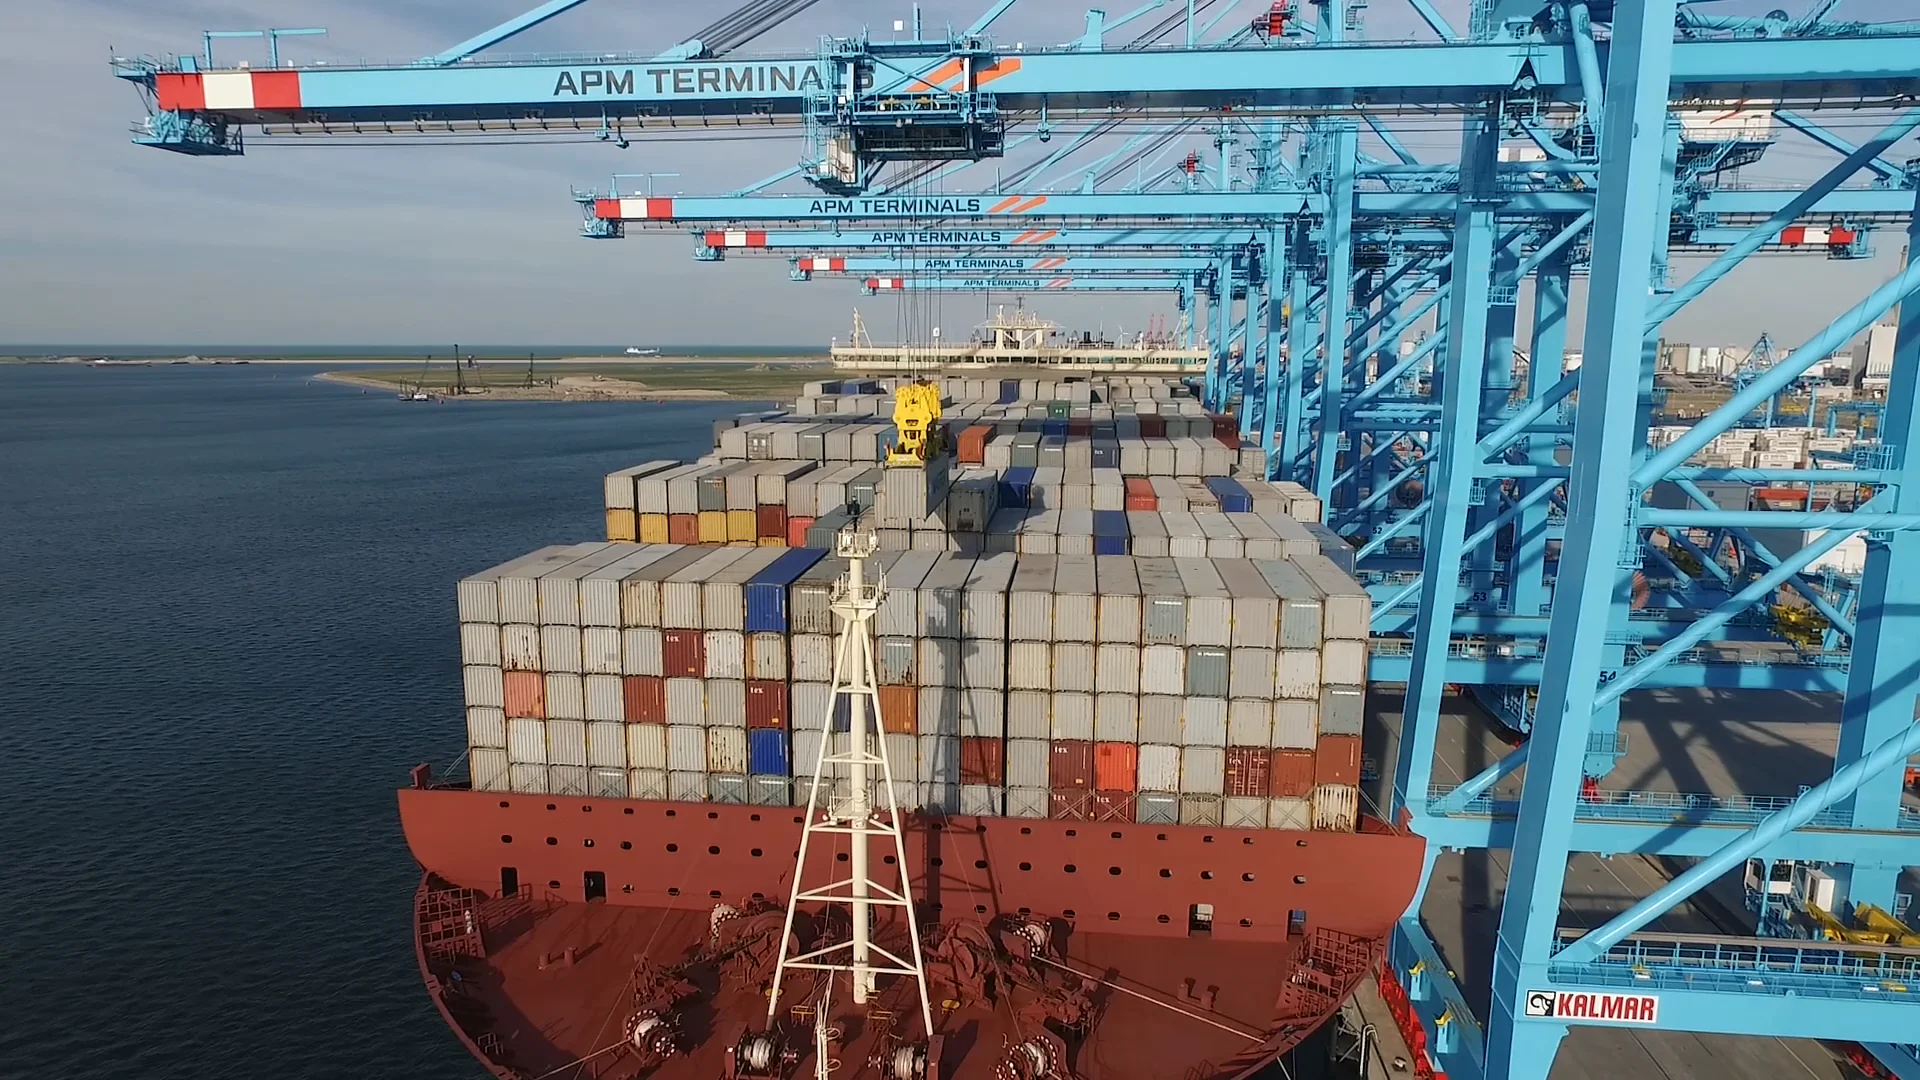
(727, 750)
(1160, 718)
(726, 652)
(1245, 813)
(1336, 807)
(1072, 666)
(1029, 665)
(567, 742)
(903, 755)
(1343, 661)
(1209, 605)
(1256, 611)
(480, 644)
(605, 699)
(568, 780)
(647, 746)
(809, 703)
(1116, 718)
(939, 710)
(1204, 722)
(607, 783)
(1029, 714)
(1030, 600)
(559, 589)
(1116, 668)
(566, 698)
(600, 649)
(486, 727)
(1119, 599)
(1028, 761)
(687, 786)
(686, 702)
(1163, 669)
(894, 658)
(983, 662)
(528, 779)
(1249, 722)
(560, 648)
(607, 744)
(983, 713)
(1028, 802)
(1296, 814)
(527, 741)
(687, 748)
(1203, 770)
(640, 651)
(767, 657)
(1295, 725)
(489, 770)
(939, 662)
(1160, 767)
(600, 589)
(1076, 597)
(726, 706)
(812, 658)
(1297, 674)
(939, 759)
(650, 784)
(1346, 608)
(1250, 673)
(520, 647)
(1073, 716)
(484, 686)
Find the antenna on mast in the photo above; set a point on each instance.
(854, 815)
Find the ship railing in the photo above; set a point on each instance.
(1669, 808)
(1742, 965)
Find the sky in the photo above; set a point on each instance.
(104, 242)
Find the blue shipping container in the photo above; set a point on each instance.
(767, 752)
(1232, 495)
(767, 593)
(1016, 486)
(1106, 455)
(1054, 427)
(1009, 391)
(830, 387)
(1111, 545)
(1110, 523)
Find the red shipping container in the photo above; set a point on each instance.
(771, 522)
(1152, 426)
(1070, 766)
(766, 703)
(1116, 766)
(1140, 494)
(646, 699)
(1226, 429)
(972, 448)
(526, 693)
(1070, 805)
(1336, 760)
(797, 531)
(683, 528)
(1113, 806)
(899, 709)
(683, 652)
(1080, 427)
(1291, 774)
(1249, 772)
(983, 761)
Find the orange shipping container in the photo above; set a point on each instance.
(653, 529)
(766, 703)
(646, 699)
(797, 531)
(898, 708)
(1116, 766)
(982, 761)
(1249, 772)
(1140, 494)
(683, 528)
(1336, 760)
(1291, 775)
(526, 693)
(620, 525)
(972, 449)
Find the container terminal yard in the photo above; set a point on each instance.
(1639, 707)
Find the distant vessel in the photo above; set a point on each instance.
(635, 350)
(1021, 337)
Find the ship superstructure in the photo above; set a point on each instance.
(962, 766)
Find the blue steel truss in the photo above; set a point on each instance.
(1362, 316)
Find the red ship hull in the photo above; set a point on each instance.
(535, 911)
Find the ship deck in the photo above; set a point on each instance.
(1672, 745)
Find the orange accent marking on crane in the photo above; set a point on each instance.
(999, 69)
(1037, 200)
(926, 83)
(1003, 204)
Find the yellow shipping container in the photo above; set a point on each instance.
(773, 541)
(713, 526)
(653, 528)
(620, 525)
(743, 525)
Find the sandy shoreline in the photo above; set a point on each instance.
(565, 388)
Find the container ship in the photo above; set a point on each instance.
(976, 729)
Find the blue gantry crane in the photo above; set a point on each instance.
(1502, 512)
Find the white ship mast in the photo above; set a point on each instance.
(855, 815)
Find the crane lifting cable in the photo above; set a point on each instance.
(745, 23)
(1160, 29)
